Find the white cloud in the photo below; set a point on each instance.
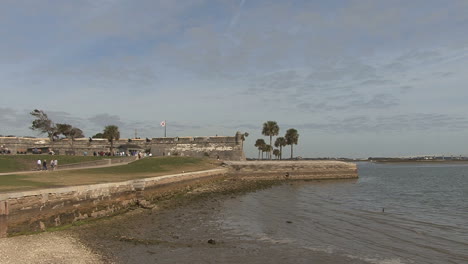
(233, 61)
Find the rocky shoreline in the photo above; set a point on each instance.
(176, 222)
(94, 241)
(179, 228)
(186, 228)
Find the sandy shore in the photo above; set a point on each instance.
(184, 228)
(58, 247)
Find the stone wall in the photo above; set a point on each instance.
(41, 209)
(299, 170)
(226, 148)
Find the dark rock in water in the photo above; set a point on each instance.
(211, 241)
(289, 222)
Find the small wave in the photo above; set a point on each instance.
(378, 261)
(328, 250)
(274, 240)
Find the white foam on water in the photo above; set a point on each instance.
(274, 240)
(328, 250)
(379, 261)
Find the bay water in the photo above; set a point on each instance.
(394, 213)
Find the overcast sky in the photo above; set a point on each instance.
(355, 78)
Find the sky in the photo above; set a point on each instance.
(362, 78)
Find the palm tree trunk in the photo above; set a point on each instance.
(292, 151)
(281, 152)
(72, 145)
(271, 149)
(259, 154)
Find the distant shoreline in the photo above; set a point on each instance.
(419, 161)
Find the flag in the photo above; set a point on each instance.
(163, 123)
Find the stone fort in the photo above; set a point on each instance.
(222, 147)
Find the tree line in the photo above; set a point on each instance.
(56, 131)
(271, 129)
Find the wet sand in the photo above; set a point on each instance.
(186, 229)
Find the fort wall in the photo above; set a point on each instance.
(222, 147)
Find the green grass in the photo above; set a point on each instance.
(13, 163)
(23, 182)
(148, 167)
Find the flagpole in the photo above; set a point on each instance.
(165, 125)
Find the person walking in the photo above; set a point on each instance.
(39, 164)
(55, 164)
(44, 165)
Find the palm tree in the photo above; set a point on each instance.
(259, 144)
(112, 133)
(243, 136)
(280, 142)
(268, 150)
(292, 137)
(270, 128)
(277, 153)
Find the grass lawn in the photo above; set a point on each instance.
(148, 167)
(12, 163)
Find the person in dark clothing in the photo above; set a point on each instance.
(44, 165)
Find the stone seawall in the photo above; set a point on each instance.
(41, 209)
(298, 170)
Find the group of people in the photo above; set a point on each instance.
(42, 165)
(102, 153)
(122, 153)
(4, 150)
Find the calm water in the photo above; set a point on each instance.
(425, 218)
